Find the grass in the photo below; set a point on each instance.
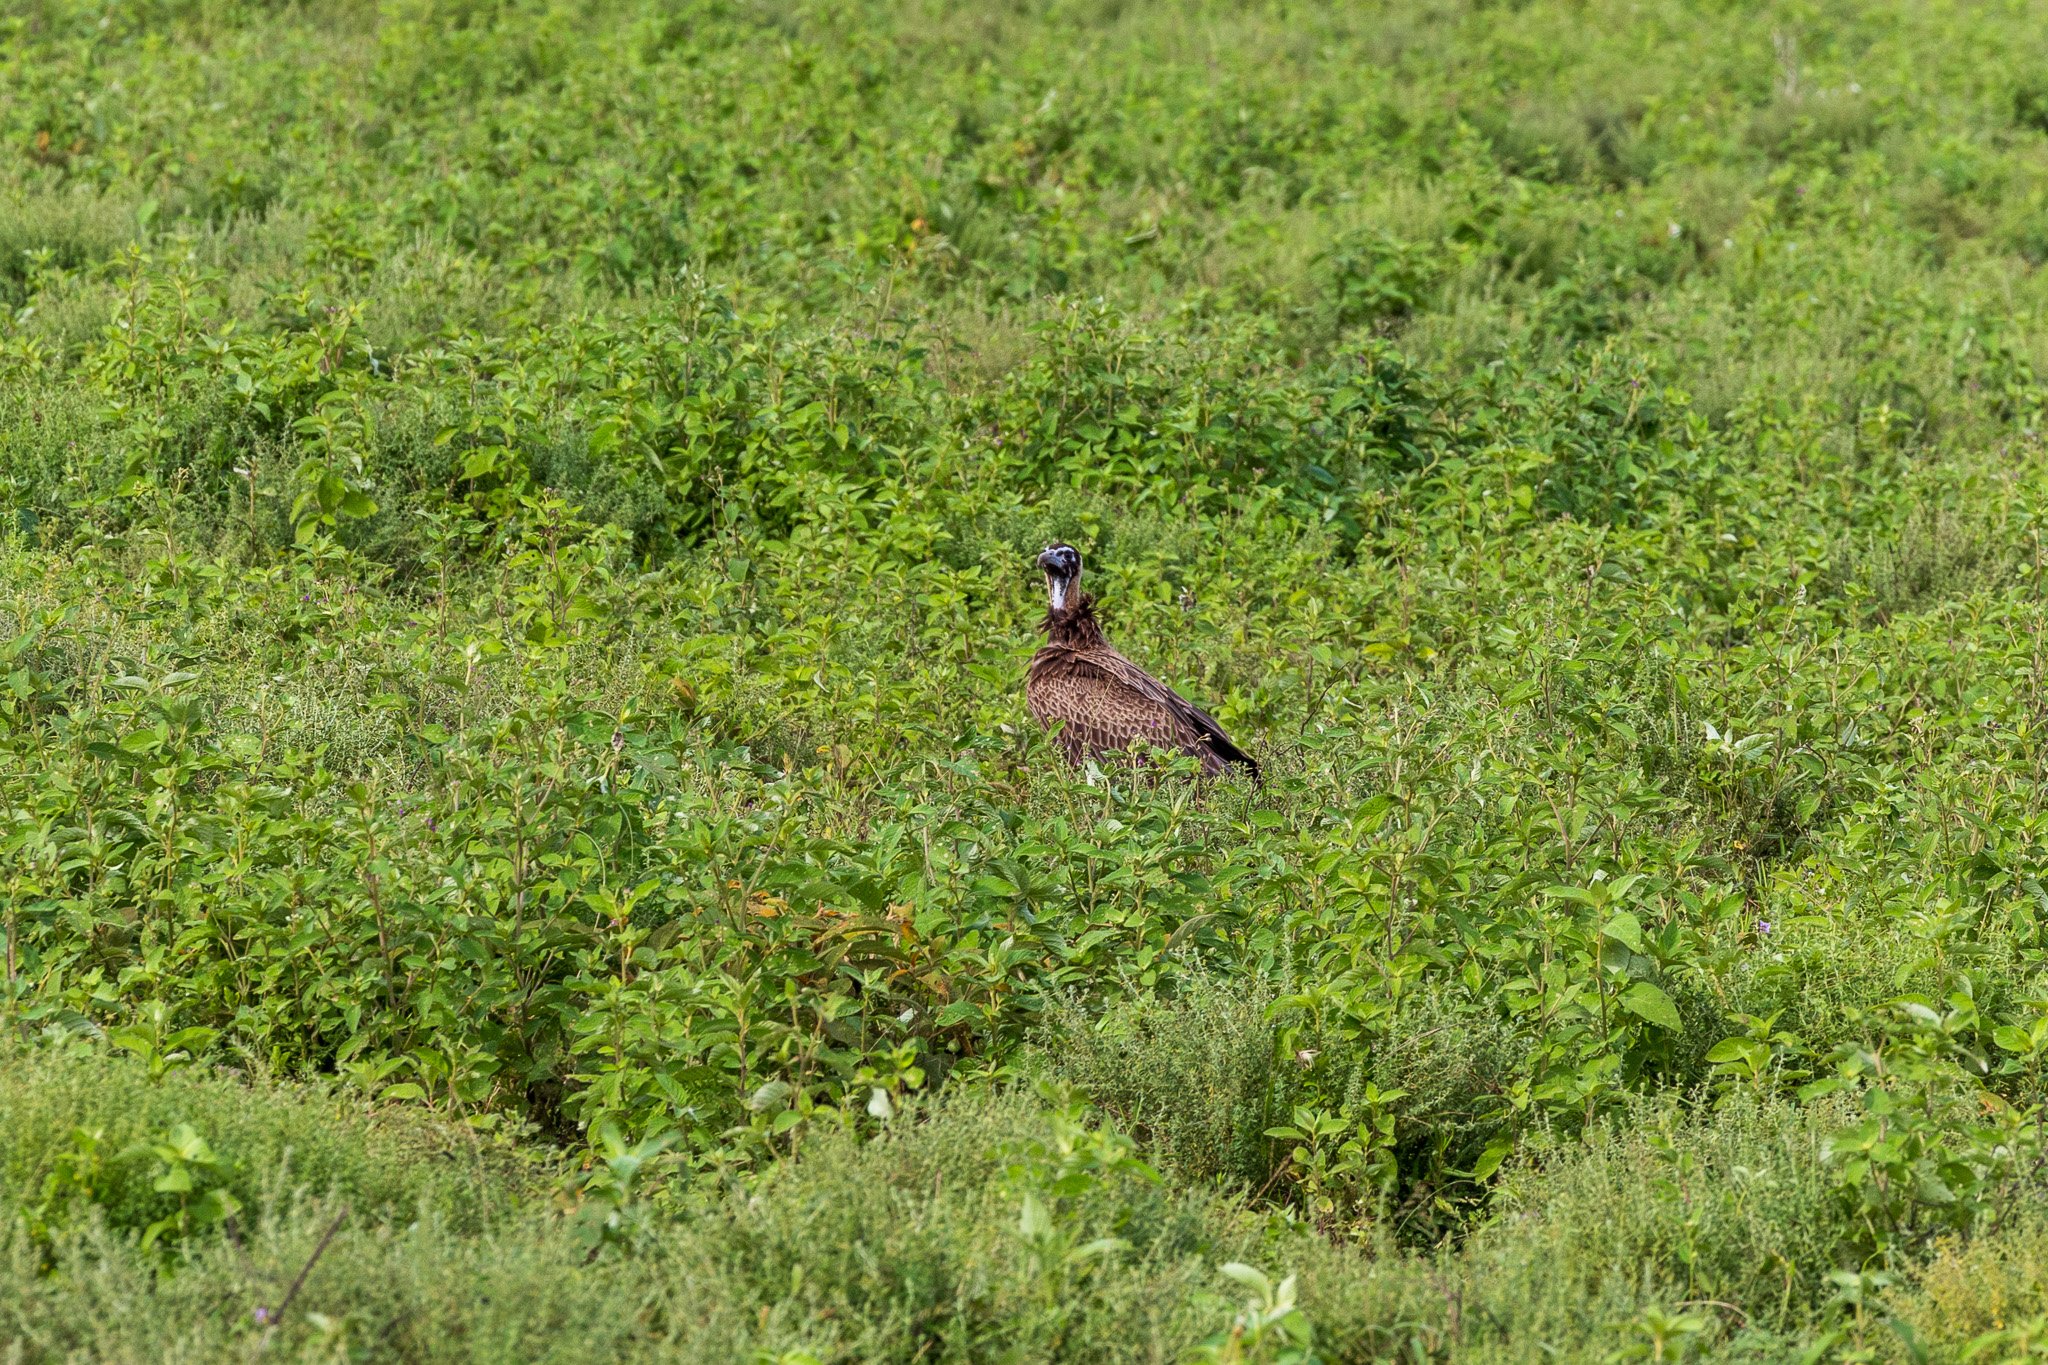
(909, 1241)
(516, 592)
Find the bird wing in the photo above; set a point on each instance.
(1190, 716)
(1106, 703)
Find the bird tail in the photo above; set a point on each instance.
(1228, 753)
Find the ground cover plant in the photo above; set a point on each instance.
(519, 832)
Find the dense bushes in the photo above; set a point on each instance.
(406, 1240)
(436, 1249)
(514, 588)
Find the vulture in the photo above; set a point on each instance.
(1102, 701)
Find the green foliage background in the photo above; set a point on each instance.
(517, 584)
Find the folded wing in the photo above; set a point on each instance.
(1105, 703)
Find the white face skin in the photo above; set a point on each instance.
(1059, 588)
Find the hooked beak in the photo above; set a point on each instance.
(1056, 581)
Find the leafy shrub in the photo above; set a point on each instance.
(966, 1226)
(85, 1130)
(515, 581)
(925, 1237)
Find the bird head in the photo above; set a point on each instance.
(1062, 567)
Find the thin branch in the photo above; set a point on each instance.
(327, 1237)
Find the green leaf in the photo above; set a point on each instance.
(185, 1138)
(1035, 1221)
(216, 1207)
(769, 1096)
(1101, 1246)
(2013, 1039)
(1646, 1001)
(1490, 1159)
(1626, 930)
(1251, 1277)
(190, 1039)
(133, 1038)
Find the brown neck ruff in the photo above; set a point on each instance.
(1074, 626)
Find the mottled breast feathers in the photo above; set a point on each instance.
(1103, 703)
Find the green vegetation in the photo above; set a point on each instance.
(519, 833)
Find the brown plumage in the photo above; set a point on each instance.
(1102, 701)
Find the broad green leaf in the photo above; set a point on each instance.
(1626, 930)
(2013, 1039)
(1646, 1001)
(769, 1096)
(1251, 1277)
(1489, 1161)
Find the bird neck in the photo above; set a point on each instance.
(1074, 625)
